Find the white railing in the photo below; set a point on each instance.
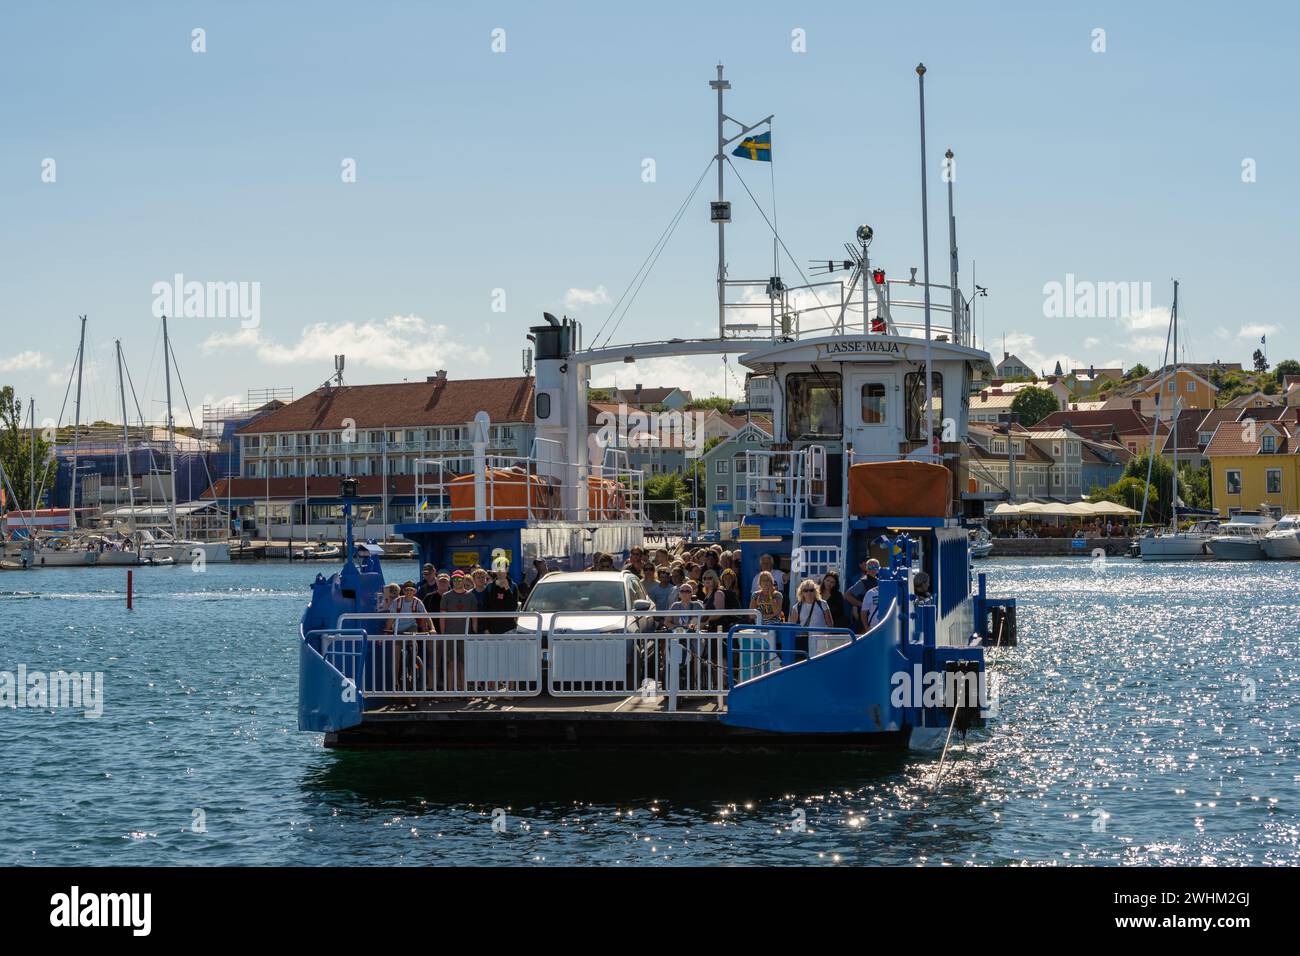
(815, 310)
(815, 561)
(674, 655)
(419, 663)
(343, 650)
(650, 665)
(777, 482)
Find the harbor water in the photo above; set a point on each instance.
(1149, 716)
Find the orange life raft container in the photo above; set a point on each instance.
(510, 493)
(900, 489)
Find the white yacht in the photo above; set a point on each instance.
(1284, 540)
(1242, 538)
(1189, 545)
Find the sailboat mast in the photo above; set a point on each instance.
(1173, 411)
(171, 428)
(76, 426)
(126, 438)
(31, 440)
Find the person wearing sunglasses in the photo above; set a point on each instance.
(685, 602)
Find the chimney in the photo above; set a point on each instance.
(984, 396)
(996, 382)
(439, 377)
(996, 391)
(1137, 405)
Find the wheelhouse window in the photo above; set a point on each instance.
(914, 389)
(873, 403)
(813, 406)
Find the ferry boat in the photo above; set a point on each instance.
(868, 460)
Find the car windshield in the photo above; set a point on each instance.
(563, 595)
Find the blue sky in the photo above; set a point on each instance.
(522, 171)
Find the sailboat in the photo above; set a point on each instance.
(164, 548)
(1173, 544)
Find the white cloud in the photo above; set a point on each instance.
(402, 342)
(1255, 330)
(1091, 343)
(1156, 317)
(576, 299)
(24, 361)
(702, 377)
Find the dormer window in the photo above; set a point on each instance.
(1268, 444)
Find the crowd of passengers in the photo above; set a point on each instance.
(688, 581)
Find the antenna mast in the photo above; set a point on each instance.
(721, 212)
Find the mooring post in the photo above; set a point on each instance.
(129, 582)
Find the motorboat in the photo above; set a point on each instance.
(981, 542)
(1241, 538)
(1283, 541)
(1187, 545)
(321, 552)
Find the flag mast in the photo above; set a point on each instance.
(720, 215)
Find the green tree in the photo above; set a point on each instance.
(1260, 360)
(1128, 491)
(1162, 476)
(1031, 405)
(1162, 471)
(662, 490)
(723, 405)
(1284, 368)
(1194, 486)
(1136, 372)
(16, 452)
(1234, 385)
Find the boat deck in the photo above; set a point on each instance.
(544, 705)
(596, 723)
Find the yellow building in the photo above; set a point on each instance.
(1188, 388)
(1254, 464)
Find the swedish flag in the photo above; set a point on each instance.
(755, 147)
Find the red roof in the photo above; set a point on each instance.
(403, 404)
(1124, 421)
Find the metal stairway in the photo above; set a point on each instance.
(817, 542)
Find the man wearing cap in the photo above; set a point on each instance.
(857, 593)
(459, 600)
(427, 591)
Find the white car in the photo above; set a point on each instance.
(613, 591)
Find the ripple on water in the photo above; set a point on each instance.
(1147, 717)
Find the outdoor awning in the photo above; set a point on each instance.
(1053, 509)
